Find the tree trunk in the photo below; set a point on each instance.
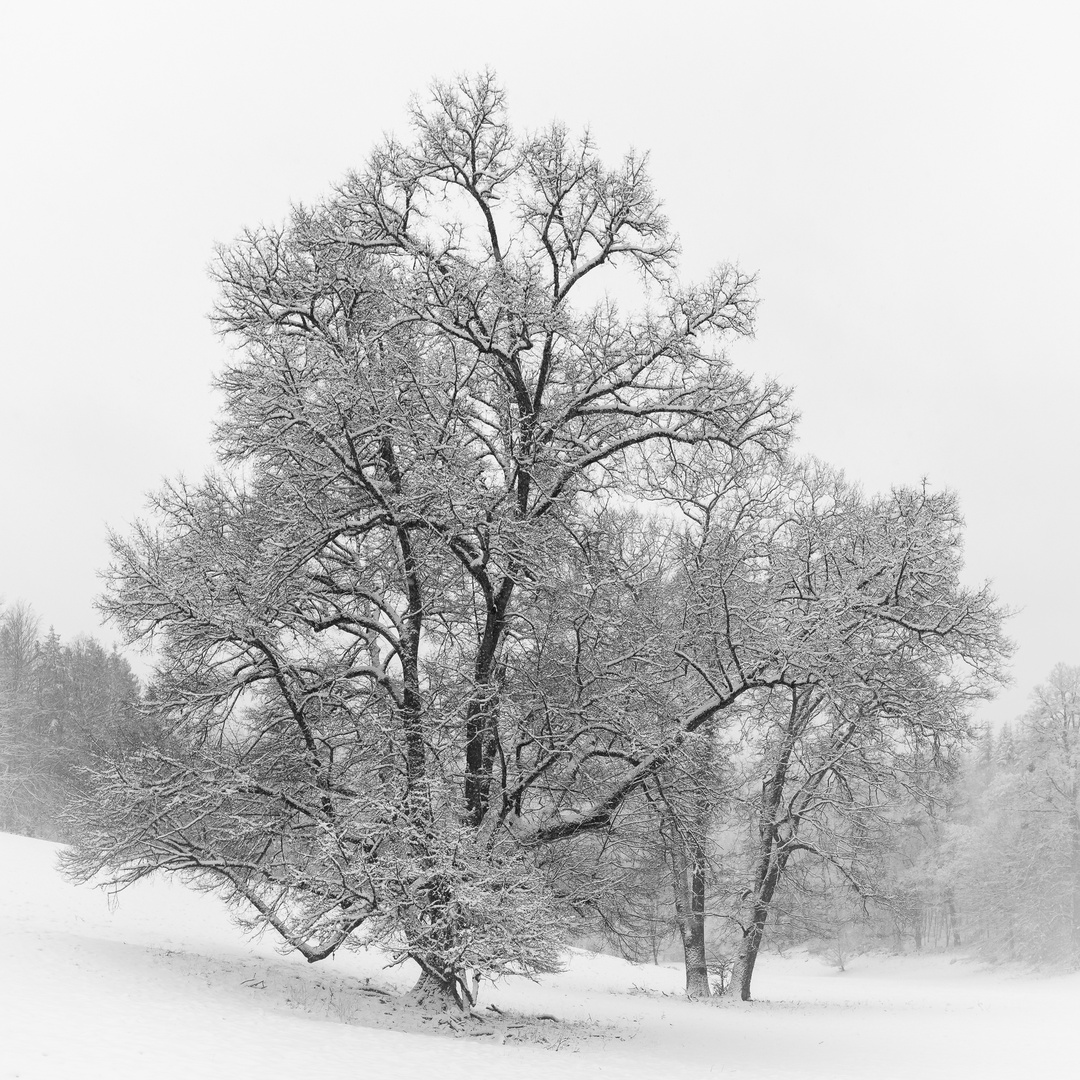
(692, 932)
(767, 876)
(481, 713)
(688, 879)
(697, 967)
(772, 852)
(952, 923)
(743, 972)
(1074, 937)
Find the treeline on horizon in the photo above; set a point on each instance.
(63, 707)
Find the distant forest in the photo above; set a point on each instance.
(64, 706)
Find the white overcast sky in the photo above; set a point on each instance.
(905, 178)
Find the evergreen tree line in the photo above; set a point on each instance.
(63, 707)
(1003, 867)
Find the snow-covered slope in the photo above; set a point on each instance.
(160, 985)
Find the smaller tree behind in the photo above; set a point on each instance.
(877, 650)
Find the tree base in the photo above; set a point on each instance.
(441, 995)
(697, 985)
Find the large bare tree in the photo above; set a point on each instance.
(429, 401)
(418, 626)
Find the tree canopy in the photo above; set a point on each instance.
(487, 547)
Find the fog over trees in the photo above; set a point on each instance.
(1012, 848)
(509, 615)
(63, 706)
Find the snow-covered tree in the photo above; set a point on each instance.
(429, 404)
(1013, 853)
(419, 626)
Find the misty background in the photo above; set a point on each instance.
(902, 177)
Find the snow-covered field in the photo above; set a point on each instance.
(162, 985)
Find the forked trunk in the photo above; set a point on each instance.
(766, 879)
(773, 851)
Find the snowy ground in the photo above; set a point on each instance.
(162, 986)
